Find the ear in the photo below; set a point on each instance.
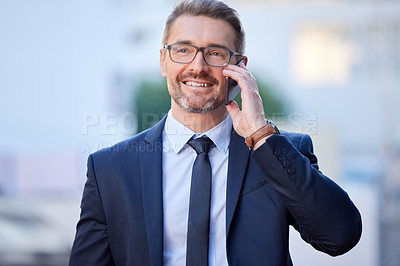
(245, 60)
(162, 63)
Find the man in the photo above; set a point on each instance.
(139, 198)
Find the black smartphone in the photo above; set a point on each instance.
(231, 88)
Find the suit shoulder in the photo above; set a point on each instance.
(304, 144)
(296, 138)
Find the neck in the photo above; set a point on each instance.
(199, 123)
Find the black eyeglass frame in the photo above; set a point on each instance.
(201, 49)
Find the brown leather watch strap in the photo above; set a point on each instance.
(260, 133)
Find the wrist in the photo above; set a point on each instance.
(258, 137)
(260, 142)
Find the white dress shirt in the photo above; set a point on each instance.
(178, 159)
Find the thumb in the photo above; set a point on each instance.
(233, 109)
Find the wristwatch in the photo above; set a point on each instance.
(265, 131)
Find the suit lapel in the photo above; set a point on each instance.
(151, 177)
(238, 160)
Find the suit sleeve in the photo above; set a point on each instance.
(91, 246)
(321, 211)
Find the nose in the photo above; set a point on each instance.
(198, 64)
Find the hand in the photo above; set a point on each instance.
(251, 117)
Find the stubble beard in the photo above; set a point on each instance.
(197, 103)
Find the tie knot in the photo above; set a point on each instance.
(201, 145)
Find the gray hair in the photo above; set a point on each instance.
(210, 8)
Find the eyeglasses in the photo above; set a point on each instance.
(213, 56)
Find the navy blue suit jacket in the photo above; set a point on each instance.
(269, 189)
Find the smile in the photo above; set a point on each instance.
(196, 84)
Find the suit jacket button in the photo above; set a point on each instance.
(282, 158)
(286, 164)
(291, 171)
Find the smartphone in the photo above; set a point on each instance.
(231, 87)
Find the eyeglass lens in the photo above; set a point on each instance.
(216, 56)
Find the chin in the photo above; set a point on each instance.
(209, 106)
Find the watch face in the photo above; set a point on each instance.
(274, 126)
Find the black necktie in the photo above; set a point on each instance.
(199, 209)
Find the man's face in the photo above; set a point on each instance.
(196, 87)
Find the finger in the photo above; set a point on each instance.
(240, 68)
(235, 74)
(244, 78)
(242, 65)
(233, 109)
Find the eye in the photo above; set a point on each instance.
(182, 51)
(217, 53)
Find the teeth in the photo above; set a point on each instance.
(195, 84)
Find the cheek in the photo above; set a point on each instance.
(172, 71)
(221, 79)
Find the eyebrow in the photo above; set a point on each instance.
(208, 45)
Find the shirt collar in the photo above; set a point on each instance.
(178, 134)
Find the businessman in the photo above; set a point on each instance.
(210, 184)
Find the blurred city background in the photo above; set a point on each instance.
(73, 77)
